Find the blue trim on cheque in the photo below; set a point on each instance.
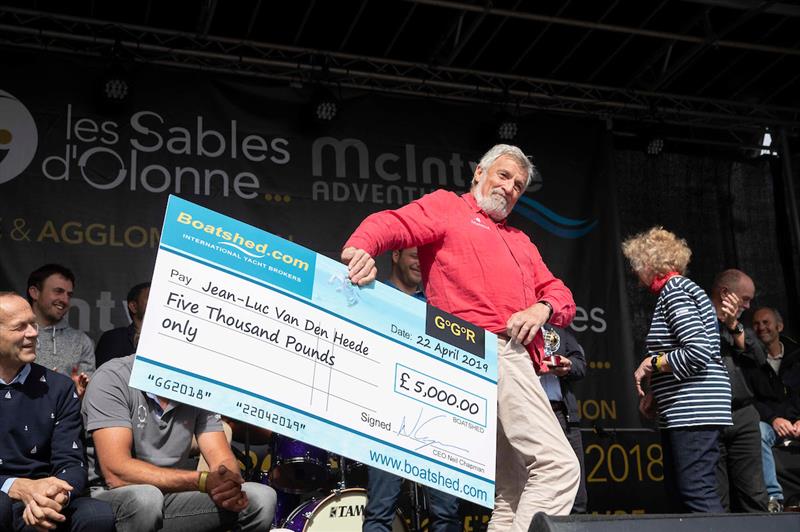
(307, 414)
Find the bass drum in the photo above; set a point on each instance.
(338, 512)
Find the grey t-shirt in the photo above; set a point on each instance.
(162, 439)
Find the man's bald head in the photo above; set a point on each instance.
(735, 282)
(7, 299)
(18, 334)
(731, 279)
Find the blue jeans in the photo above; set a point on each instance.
(768, 438)
(383, 490)
(690, 460)
(83, 515)
(144, 508)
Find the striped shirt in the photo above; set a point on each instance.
(684, 327)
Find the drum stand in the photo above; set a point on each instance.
(250, 468)
(342, 482)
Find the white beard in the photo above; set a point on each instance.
(495, 205)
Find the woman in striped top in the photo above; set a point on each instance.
(688, 383)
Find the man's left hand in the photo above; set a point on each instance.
(42, 512)
(24, 489)
(522, 326)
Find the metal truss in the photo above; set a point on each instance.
(296, 65)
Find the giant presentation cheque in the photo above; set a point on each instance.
(257, 328)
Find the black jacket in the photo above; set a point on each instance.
(738, 361)
(778, 394)
(570, 348)
(115, 343)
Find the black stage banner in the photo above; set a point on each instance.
(85, 185)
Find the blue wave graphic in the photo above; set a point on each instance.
(552, 221)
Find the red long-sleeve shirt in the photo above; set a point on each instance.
(473, 267)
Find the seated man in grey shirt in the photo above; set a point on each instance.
(139, 461)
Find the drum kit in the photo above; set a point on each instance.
(320, 492)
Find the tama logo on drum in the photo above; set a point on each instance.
(346, 510)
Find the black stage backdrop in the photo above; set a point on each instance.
(93, 195)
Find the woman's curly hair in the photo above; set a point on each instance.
(658, 250)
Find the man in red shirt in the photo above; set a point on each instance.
(476, 267)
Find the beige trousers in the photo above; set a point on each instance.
(537, 470)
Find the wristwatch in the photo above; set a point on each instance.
(739, 329)
(548, 305)
(654, 363)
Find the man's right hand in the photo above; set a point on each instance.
(360, 265)
(729, 308)
(41, 515)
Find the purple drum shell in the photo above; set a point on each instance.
(298, 467)
(285, 504)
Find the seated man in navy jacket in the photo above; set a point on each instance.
(42, 467)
